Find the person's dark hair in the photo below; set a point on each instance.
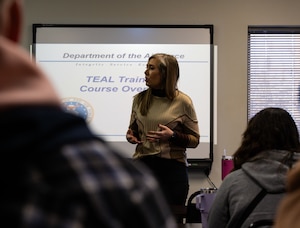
(269, 129)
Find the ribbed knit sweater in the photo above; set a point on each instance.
(178, 114)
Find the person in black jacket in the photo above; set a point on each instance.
(55, 172)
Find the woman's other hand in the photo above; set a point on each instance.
(131, 138)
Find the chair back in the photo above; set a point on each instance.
(192, 212)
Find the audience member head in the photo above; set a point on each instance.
(270, 129)
(11, 18)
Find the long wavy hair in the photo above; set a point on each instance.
(169, 70)
(270, 129)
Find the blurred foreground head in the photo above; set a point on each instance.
(11, 18)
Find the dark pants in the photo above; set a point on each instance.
(172, 177)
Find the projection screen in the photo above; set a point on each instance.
(97, 69)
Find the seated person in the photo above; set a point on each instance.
(269, 148)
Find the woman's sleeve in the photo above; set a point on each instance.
(132, 124)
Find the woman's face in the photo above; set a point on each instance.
(152, 74)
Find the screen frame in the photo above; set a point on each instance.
(194, 164)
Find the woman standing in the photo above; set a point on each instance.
(163, 124)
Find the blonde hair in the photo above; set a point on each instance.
(169, 70)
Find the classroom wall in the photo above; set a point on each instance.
(230, 19)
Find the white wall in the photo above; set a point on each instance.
(230, 19)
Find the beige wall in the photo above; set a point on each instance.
(230, 19)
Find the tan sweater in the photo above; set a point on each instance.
(179, 115)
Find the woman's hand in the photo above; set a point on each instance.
(131, 138)
(163, 134)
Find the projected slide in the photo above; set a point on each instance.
(104, 79)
